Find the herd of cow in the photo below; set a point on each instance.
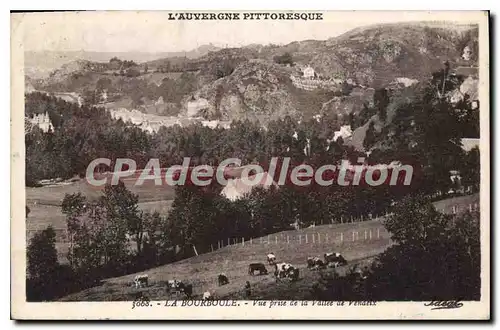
(282, 270)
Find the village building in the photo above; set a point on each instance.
(467, 53)
(308, 72)
(216, 124)
(406, 82)
(344, 132)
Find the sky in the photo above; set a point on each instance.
(152, 32)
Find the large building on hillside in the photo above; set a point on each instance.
(237, 188)
(42, 120)
(308, 72)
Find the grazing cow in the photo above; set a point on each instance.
(271, 258)
(310, 262)
(281, 269)
(335, 259)
(141, 281)
(329, 256)
(257, 267)
(287, 271)
(187, 289)
(365, 273)
(360, 274)
(222, 279)
(318, 263)
(175, 285)
(315, 263)
(207, 295)
(293, 274)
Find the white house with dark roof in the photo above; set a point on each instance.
(308, 72)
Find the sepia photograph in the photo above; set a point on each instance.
(250, 165)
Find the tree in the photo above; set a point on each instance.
(122, 212)
(194, 219)
(73, 206)
(470, 170)
(98, 231)
(286, 58)
(132, 72)
(43, 268)
(225, 68)
(103, 84)
(152, 247)
(90, 97)
(370, 137)
(115, 63)
(42, 254)
(414, 221)
(381, 100)
(436, 256)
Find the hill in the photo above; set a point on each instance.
(239, 83)
(260, 91)
(376, 55)
(39, 64)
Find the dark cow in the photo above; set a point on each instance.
(222, 279)
(359, 274)
(257, 267)
(315, 263)
(293, 274)
(187, 289)
(141, 281)
(334, 259)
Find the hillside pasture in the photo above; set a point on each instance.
(291, 246)
(201, 271)
(54, 194)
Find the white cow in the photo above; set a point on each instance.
(282, 269)
(271, 258)
(207, 295)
